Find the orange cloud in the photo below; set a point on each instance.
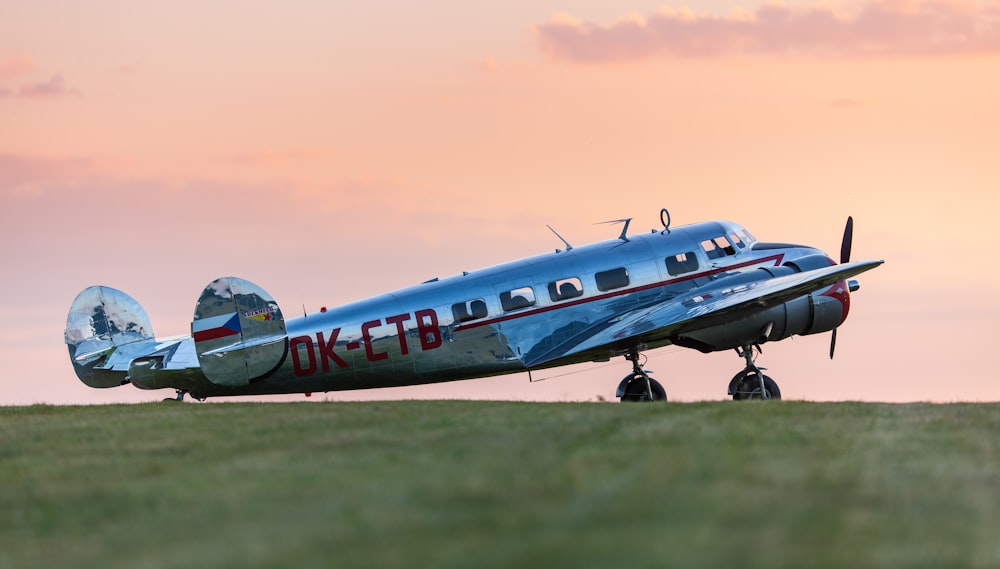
(892, 28)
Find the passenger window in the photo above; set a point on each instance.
(518, 298)
(682, 263)
(615, 278)
(469, 310)
(717, 247)
(565, 288)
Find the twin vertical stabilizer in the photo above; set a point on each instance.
(239, 332)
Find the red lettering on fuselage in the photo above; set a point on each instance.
(430, 333)
(326, 350)
(426, 325)
(400, 331)
(293, 345)
(367, 337)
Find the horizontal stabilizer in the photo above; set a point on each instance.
(84, 357)
(252, 343)
(239, 332)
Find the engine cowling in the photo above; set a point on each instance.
(810, 314)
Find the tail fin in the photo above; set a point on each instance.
(239, 333)
(102, 319)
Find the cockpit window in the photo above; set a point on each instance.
(565, 289)
(718, 247)
(469, 310)
(518, 298)
(682, 263)
(735, 239)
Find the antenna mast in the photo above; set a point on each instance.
(568, 246)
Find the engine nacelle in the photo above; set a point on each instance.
(810, 314)
(810, 262)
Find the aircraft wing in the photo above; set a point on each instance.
(701, 307)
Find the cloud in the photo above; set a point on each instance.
(24, 174)
(14, 67)
(54, 87)
(891, 28)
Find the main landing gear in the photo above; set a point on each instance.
(638, 386)
(751, 383)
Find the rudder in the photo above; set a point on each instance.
(239, 332)
(100, 320)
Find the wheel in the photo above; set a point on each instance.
(178, 399)
(635, 390)
(748, 387)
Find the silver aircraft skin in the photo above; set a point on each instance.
(707, 286)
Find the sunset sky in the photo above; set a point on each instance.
(332, 151)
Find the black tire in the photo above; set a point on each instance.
(636, 390)
(749, 388)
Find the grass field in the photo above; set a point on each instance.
(495, 484)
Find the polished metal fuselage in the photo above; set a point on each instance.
(439, 330)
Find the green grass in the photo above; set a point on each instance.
(495, 484)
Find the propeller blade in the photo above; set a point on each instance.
(845, 245)
(845, 257)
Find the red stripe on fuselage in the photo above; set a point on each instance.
(776, 259)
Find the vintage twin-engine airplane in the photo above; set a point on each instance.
(709, 286)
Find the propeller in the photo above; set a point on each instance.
(845, 257)
(845, 245)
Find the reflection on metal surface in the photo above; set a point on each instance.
(709, 286)
(100, 320)
(239, 332)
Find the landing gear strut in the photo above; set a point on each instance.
(751, 383)
(180, 396)
(638, 386)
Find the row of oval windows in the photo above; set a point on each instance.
(572, 287)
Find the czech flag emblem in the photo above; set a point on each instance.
(215, 327)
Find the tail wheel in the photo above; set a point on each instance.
(748, 387)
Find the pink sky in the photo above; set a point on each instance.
(330, 152)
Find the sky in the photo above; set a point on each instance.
(330, 151)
